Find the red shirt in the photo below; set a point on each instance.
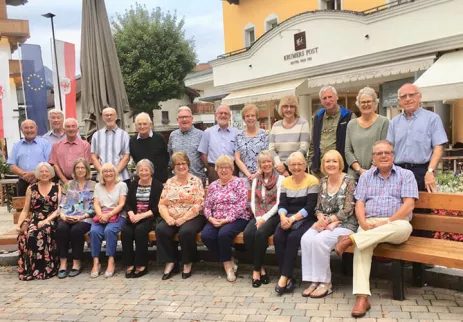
(64, 153)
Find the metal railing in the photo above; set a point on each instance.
(388, 5)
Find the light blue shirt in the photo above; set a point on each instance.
(216, 142)
(415, 139)
(51, 137)
(27, 155)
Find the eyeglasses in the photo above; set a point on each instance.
(300, 165)
(366, 102)
(288, 107)
(224, 168)
(386, 153)
(409, 95)
(181, 164)
(107, 171)
(183, 117)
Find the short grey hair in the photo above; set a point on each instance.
(417, 88)
(184, 108)
(71, 119)
(28, 120)
(55, 111)
(107, 108)
(46, 165)
(147, 163)
(143, 115)
(369, 92)
(296, 155)
(383, 142)
(225, 106)
(325, 88)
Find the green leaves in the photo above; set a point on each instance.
(154, 56)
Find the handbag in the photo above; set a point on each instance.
(114, 218)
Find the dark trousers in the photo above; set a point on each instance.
(219, 240)
(137, 232)
(22, 187)
(419, 173)
(287, 244)
(167, 248)
(75, 233)
(256, 240)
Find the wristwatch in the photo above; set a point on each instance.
(431, 170)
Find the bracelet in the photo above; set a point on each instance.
(328, 219)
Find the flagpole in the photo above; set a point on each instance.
(22, 78)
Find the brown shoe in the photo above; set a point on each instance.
(344, 242)
(362, 305)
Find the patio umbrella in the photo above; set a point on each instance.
(102, 83)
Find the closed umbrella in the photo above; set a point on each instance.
(102, 83)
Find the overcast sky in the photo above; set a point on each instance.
(203, 22)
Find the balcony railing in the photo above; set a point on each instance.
(388, 5)
(202, 108)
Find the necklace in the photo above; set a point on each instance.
(334, 188)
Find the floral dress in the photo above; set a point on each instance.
(38, 254)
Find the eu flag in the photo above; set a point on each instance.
(35, 88)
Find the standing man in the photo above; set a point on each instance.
(150, 145)
(66, 151)
(385, 198)
(111, 145)
(27, 154)
(56, 134)
(218, 140)
(187, 139)
(418, 137)
(329, 129)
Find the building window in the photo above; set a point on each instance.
(165, 117)
(330, 4)
(271, 22)
(249, 35)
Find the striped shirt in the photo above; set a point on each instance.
(284, 141)
(383, 197)
(188, 142)
(143, 198)
(300, 198)
(110, 146)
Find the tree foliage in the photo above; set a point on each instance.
(154, 55)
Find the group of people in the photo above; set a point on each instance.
(303, 187)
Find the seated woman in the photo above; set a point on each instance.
(335, 213)
(108, 202)
(181, 201)
(75, 213)
(142, 210)
(298, 199)
(226, 211)
(38, 254)
(264, 204)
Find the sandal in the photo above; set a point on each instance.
(310, 289)
(326, 291)
(231, 277)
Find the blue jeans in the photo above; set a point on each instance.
(219, 240)
(109, 232)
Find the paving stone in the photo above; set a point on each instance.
(418, 308)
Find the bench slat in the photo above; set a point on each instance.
(449, 224)
(451, 201)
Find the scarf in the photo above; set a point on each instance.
(263, 205)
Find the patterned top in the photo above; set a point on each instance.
(43, 206)
(250, 147)
(415, 139)
(77, 203)
(143, 198)
(383, 197)
(180, 198)
(283, 141)
(110, 146)
(341, 204)
(188, 142)
(227, 202)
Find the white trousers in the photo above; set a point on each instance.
(316, 249)
(396, 232)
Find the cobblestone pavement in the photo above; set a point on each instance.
(207, 296)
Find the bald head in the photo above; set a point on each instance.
(409, 98)
(109, 117)
(29, 129)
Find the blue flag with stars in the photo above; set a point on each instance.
(35, 87)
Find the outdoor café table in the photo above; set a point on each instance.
(5, 186)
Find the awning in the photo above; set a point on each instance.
(373, 72)
(444, 79)
(264, 93)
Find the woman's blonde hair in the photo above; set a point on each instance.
(109, 166)
(289, 100)
(338, 157)
(180, 156)
(224, 160)
(249, 108)
(88, 172)
(264, 155)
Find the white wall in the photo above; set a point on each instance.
(170, 106)
(393, 34)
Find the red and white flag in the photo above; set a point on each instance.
(66, 54)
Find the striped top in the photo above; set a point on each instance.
(383, 197)
(110, 146)
(284, 141)
(300, 198)
(143, 198)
